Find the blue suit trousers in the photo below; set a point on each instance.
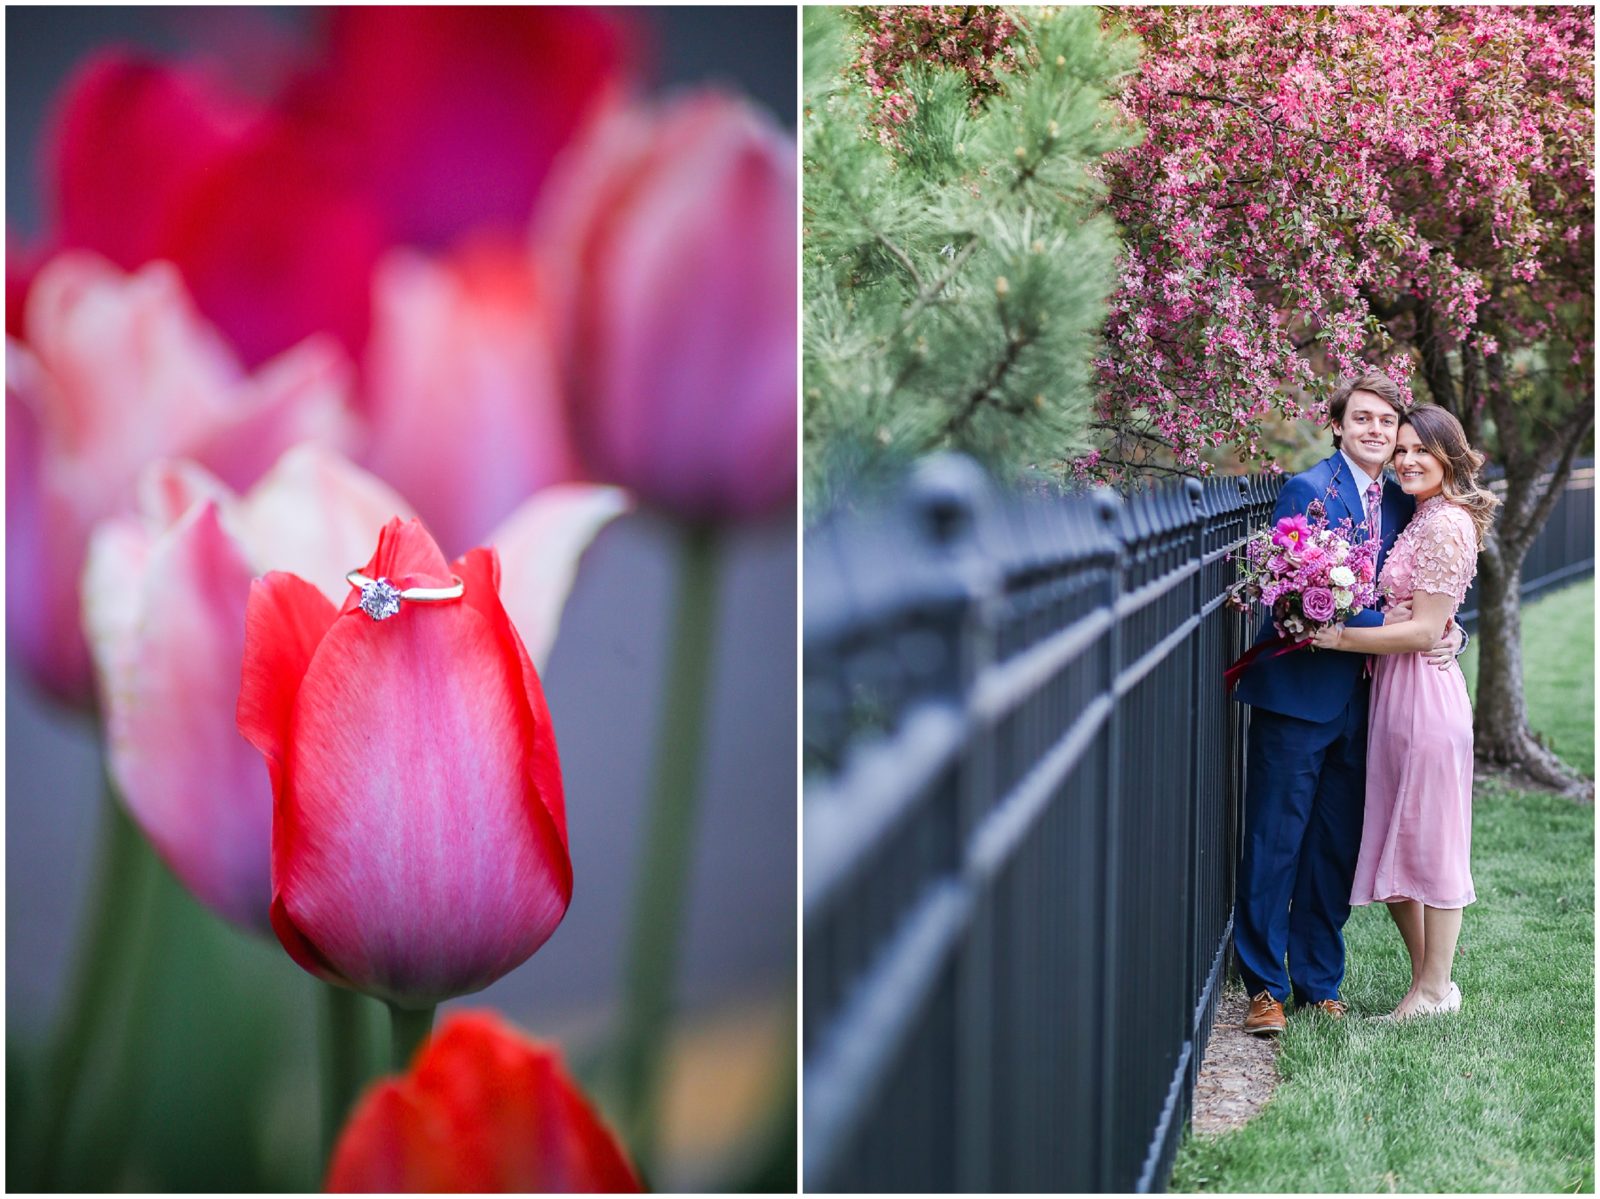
(1304, 798)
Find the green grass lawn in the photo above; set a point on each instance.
(1501, 1096)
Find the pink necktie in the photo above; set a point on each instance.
(1375, 511)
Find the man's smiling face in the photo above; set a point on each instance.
(1367, 432)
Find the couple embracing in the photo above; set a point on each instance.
(1359, 782)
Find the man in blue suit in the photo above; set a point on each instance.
(1307, 759)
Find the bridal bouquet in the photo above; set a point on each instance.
(1308, 573)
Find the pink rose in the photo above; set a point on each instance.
(1317, 603)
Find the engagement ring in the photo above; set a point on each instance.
(380, 599)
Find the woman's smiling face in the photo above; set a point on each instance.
(1420, 473)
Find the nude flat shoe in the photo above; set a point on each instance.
(1450, 1003)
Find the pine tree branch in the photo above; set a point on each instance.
(980, 394)
(930, 293)
(904, 259)
(882, 238)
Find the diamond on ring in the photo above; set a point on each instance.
(380, 599)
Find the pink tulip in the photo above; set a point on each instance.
(419, 843)
(670, 241)
(463, 397)
(118, 371)
(164, 608)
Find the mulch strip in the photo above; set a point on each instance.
(1238, 1074)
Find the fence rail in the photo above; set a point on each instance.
(1021, 824)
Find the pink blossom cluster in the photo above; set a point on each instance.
(1322, 188)
(976, 39)
(1307, 573)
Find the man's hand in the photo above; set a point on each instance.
(1444, 654)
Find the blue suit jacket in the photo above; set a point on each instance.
(1317, 686)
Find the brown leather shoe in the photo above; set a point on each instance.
(1265, 1018)
(1334, 1009)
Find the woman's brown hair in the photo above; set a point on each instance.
(1442, 436)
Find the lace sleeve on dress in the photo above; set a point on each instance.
(1446, 556)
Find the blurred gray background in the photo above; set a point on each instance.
(603, 683)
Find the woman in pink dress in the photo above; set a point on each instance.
(1416, 835)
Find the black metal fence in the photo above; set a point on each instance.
(1021, 823)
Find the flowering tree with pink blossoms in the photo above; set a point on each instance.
(976, 39)
(1323, 188)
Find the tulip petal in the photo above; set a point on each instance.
(169, 488)
(483, 1109)
(315, 515)
(168, 653)
(415, 849)
(407, 556)
(463, 394)
(131, 136)
(480, 571)
(455, 113)
(285, 620)
(300, 396)
(46, 533)
(540, 545)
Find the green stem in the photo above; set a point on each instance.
(668, 838)
(106, 945)
(408, 1029)
(344, 1065)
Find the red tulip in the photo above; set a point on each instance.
(451, 115)
(670, 239)
(414, 126)
(483, 1108)
(419, 838)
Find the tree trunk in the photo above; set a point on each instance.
(1501, 735)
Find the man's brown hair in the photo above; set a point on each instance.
(1374, 381)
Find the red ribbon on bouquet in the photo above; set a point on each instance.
(1281, 644)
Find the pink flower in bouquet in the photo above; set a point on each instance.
(482, 1109)
(462, 390)
(419, 843)
(1317, 604)
(164, 609)
(118, 371)
(670, 237)
(1291, 533)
